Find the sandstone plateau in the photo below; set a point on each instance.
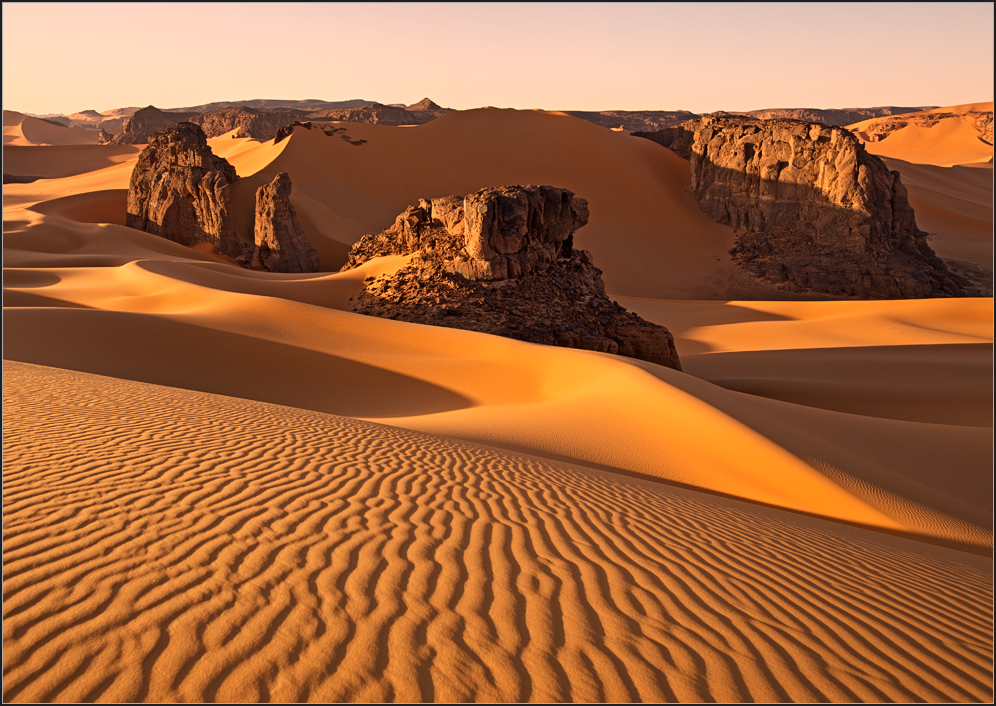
(501, 261)
(181, 190)
(816, 212)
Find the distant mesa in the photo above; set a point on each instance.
(502, 261)
(816, 212)
(180, 190)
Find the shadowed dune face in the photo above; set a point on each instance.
(189, 547)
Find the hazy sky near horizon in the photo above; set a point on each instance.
(61, 58)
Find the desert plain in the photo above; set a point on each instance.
(222, 484)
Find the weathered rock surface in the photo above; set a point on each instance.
(281, 245)
(143, 124)
(104, 137)
(376, 113)
(502, 261)
(181, 191)
(818, 213)
(248, 122)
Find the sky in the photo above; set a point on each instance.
(702, 57)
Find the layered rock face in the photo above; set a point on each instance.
(281, 245)
(818, 213)
(502, 261)
(181, 190)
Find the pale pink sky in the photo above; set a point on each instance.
(60, 58)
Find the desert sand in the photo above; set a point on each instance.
(221, 484)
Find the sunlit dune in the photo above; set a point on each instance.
(222, 484)
(950, 141)
(32, 131)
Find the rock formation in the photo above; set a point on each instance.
(374, 113)
(827, 116)
(425, 110)
(281, 245)
(104, 137)
(816, 211)
(502, 261)
(248, 122)
(181, 191)
(139, 128)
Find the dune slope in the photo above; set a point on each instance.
(182, 546)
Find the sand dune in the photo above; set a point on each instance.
(955, 205)
(32, 131)
(221, 484)
(953, 140)
(286, 555)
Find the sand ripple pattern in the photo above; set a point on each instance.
(168, 545)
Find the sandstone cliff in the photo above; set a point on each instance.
(502, 261)
(816, 211)
(281, 245)
(181, 191)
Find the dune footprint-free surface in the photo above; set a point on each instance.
(164, 544)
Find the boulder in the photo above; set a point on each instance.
(502, 261)
(281, 245)
(813, 209)
(181, 191)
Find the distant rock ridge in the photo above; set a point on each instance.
(816, 211)
(881, 128)
(501, 261)
(180, 190)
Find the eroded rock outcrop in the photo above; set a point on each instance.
(143, 124)
(181, 191)
(281, 245)
(502, 261)
(246, 122)
(816, 211)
